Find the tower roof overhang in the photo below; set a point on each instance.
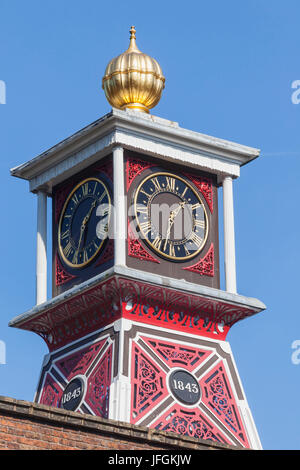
(138, 132)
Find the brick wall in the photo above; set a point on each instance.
(29, 426)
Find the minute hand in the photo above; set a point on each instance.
(173, 214)
(85, 221)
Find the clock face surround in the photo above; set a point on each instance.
(84, 222)
(170, 216)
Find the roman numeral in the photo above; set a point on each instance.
(184, 191)
(196, 206)
(171, 249)
(85, 189)
(157, 242)
(85, 256)
(146, 227)
(156, 184)
(199, 223)
(75, 199)
(75, 257)
(186, 250)
(196, 239)
(144, 192)
(67, 249)
(142, 209)
(65, 234)
(170, 186)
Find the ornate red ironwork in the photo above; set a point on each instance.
(219, 398)
(134, 167)
(52, 392)
(78, 362)
(148, 384)
(204, 267)
(175, 355)
(61, 275)
(136, 249)
(189, 423)
(97, 395)
(136, 300)
(206, 420)
(204, 185)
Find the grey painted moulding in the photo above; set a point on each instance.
(179, 284)
(139, 132)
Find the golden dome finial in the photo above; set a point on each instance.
(133, 79)
(132, 45)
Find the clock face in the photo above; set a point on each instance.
(84, 222)
(170, 216)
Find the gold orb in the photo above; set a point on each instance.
(133, 79)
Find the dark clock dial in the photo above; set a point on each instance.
(84, 222)
(170, 216)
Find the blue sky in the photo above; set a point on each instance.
(229, 69)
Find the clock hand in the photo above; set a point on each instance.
(84, 223)
(172, 216)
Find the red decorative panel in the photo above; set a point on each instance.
(72, 318)
(61, 275)
(147, 382)
(170, 309)
(97, 395)
(189, 423)
(204, 267)
(176, 355)
(107, 254)
(78, 362)
(204, 185)
(136, 249)
(218, 397)
(215, 416)
(134, 167)
(52, 392)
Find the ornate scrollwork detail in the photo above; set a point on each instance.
(204, 267)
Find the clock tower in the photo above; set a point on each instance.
(137, 322)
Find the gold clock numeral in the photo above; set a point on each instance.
(95, 187)
(75, 257)
(196, 206)
(200, 223)
(101, 197)
(85, 256)
(64, 235)
(146, 227)
(85, 189)
(184, 191)
(196, 239)
(142, 209)
(156, 184)
(157, 242)
(145, 192)
(75, 199)
(67, 249)
(170, 186)
(186, 251)
(172, 249)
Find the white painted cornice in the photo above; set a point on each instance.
(136, 131)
